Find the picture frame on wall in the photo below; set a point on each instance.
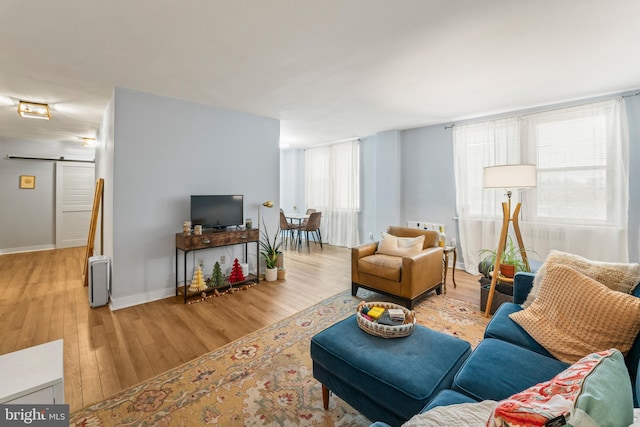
(28, 182)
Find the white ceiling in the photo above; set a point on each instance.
(328, 69)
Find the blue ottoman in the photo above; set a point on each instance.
(385, 379)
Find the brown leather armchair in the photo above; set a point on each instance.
(406, 277)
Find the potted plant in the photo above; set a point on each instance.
(511, 257)
(511, 260)
(270, 252)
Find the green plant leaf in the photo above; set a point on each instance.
(270, 250)
(511, 255)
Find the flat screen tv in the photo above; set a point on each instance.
(217, 211)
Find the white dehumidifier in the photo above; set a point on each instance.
(98, 280)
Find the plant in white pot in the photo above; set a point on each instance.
(270, 252)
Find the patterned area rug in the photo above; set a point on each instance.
(264, 378)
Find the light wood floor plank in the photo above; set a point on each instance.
(42, 299)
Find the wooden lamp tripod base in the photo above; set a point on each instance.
(506, 219)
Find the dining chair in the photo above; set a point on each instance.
(313, 226)
(286, 229)
(306, 220)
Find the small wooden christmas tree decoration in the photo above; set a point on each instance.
(198, 283)
(217, 279)
(236, 272)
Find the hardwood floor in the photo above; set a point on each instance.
(42, 299)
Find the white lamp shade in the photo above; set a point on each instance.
(510, 176)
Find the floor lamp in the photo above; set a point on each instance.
(508, 177)
(267, 204)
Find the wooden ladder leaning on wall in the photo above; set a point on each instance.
(97, 202)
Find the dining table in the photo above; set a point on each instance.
(299, 217)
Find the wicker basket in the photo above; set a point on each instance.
(499, 298)
(386, 331)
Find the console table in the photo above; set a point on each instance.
(214, 239)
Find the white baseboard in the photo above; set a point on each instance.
(26, 249)
(131, 300)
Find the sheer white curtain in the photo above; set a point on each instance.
(332, 186)
(580, 203)
(476, 146)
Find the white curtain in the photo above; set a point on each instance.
(581, 199)
(332, 186)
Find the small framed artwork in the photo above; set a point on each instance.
(27, 181)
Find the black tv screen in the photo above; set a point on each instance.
(217, 211)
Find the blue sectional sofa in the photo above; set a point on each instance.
(509, 360)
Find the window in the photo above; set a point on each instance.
(581, 199)
(332, 186)
(575, 173)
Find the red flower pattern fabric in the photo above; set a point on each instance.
(538, 405)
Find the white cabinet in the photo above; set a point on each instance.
(34, 375)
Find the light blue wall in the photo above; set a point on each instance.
(388, 178)
(427, 177)
(367, 219)
(380, 184)
(164, 150)
(292, 192)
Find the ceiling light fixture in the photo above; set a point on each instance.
(88, 142)
(34, 110)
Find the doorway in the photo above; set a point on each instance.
(74, 200)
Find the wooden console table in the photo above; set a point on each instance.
(214, 239)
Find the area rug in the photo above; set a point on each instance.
(264, 378)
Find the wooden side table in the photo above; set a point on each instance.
(445, 261)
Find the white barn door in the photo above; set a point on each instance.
(75, 184)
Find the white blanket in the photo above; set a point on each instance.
(461, 415)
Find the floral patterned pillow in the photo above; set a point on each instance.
(595, 391)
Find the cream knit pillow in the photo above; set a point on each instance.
(399, 246)
(620, 277)
(575, 315)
